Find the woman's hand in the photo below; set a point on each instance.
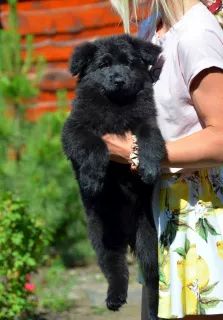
(119, 147)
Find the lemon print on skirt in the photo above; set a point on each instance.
(219, 245)
(164, 263)
(187, 268)
(190, 231)
(179, 194)
(164, 304)
(190, 299)
(164, 268)
(209, 198)
(194, 274)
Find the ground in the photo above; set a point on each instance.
(79, 294)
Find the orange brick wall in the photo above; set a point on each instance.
(59, 26)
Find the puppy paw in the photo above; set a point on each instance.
(115, 301)
(149, 171)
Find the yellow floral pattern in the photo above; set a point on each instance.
(219, 245)
(189, 217)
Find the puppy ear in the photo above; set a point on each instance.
(149, 51)
(81, 57)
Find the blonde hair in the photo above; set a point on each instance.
(122, 7)
(219, 16)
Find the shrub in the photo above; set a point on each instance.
(17, 88)
(48, 180)
(44, 177)
(36, 165)
(54, 288)
(23, 241)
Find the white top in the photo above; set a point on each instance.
(193, 44)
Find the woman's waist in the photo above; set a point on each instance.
(169, 173)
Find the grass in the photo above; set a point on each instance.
(99, 277)
(99, 310)
(54, 288)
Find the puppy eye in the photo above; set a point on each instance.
(105, 64)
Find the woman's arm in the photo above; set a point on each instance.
(202, 149)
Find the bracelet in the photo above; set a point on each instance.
(134, 154)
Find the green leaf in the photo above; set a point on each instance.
(12, 2)
(209, 227)
(162, 277)
(29, 54)
(198, 308)
(17, 239)
(208, 289)
(161, 260)
(182, 214)
(208, 303)
(172, 234)
(165, 287)
(181, 252)
(6, 51)
(161, 249)
(202, 310)
(181, 224)
(201, 230)
(168, 234)
(187, 245)
(31, 262)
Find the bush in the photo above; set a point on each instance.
(48, 180)
(44, 177)
(54, 288)
(17, 88)
(23, 241)
(31, 158)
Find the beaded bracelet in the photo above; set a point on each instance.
(134, 154)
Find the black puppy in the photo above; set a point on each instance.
(115, 95)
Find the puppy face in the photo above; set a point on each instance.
(116, 67)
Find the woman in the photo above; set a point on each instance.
(188, 201)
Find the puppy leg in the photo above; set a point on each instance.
(147, 255)
(110, 247)
(89, 156)
(151, 151)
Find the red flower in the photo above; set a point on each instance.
(28, 277)
(29, 286)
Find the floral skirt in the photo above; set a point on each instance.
(188, 210)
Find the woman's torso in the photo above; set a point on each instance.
(177, 116)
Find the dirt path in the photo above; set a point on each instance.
(92, 287)
(89, 293)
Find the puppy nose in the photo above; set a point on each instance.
(119, 82)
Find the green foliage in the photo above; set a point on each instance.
(99, 310)
(44, 177)
(52, 190)
(23, 241)
(17, 87)
(55, 287)
(40, 171)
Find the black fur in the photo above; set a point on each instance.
(115, 95)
